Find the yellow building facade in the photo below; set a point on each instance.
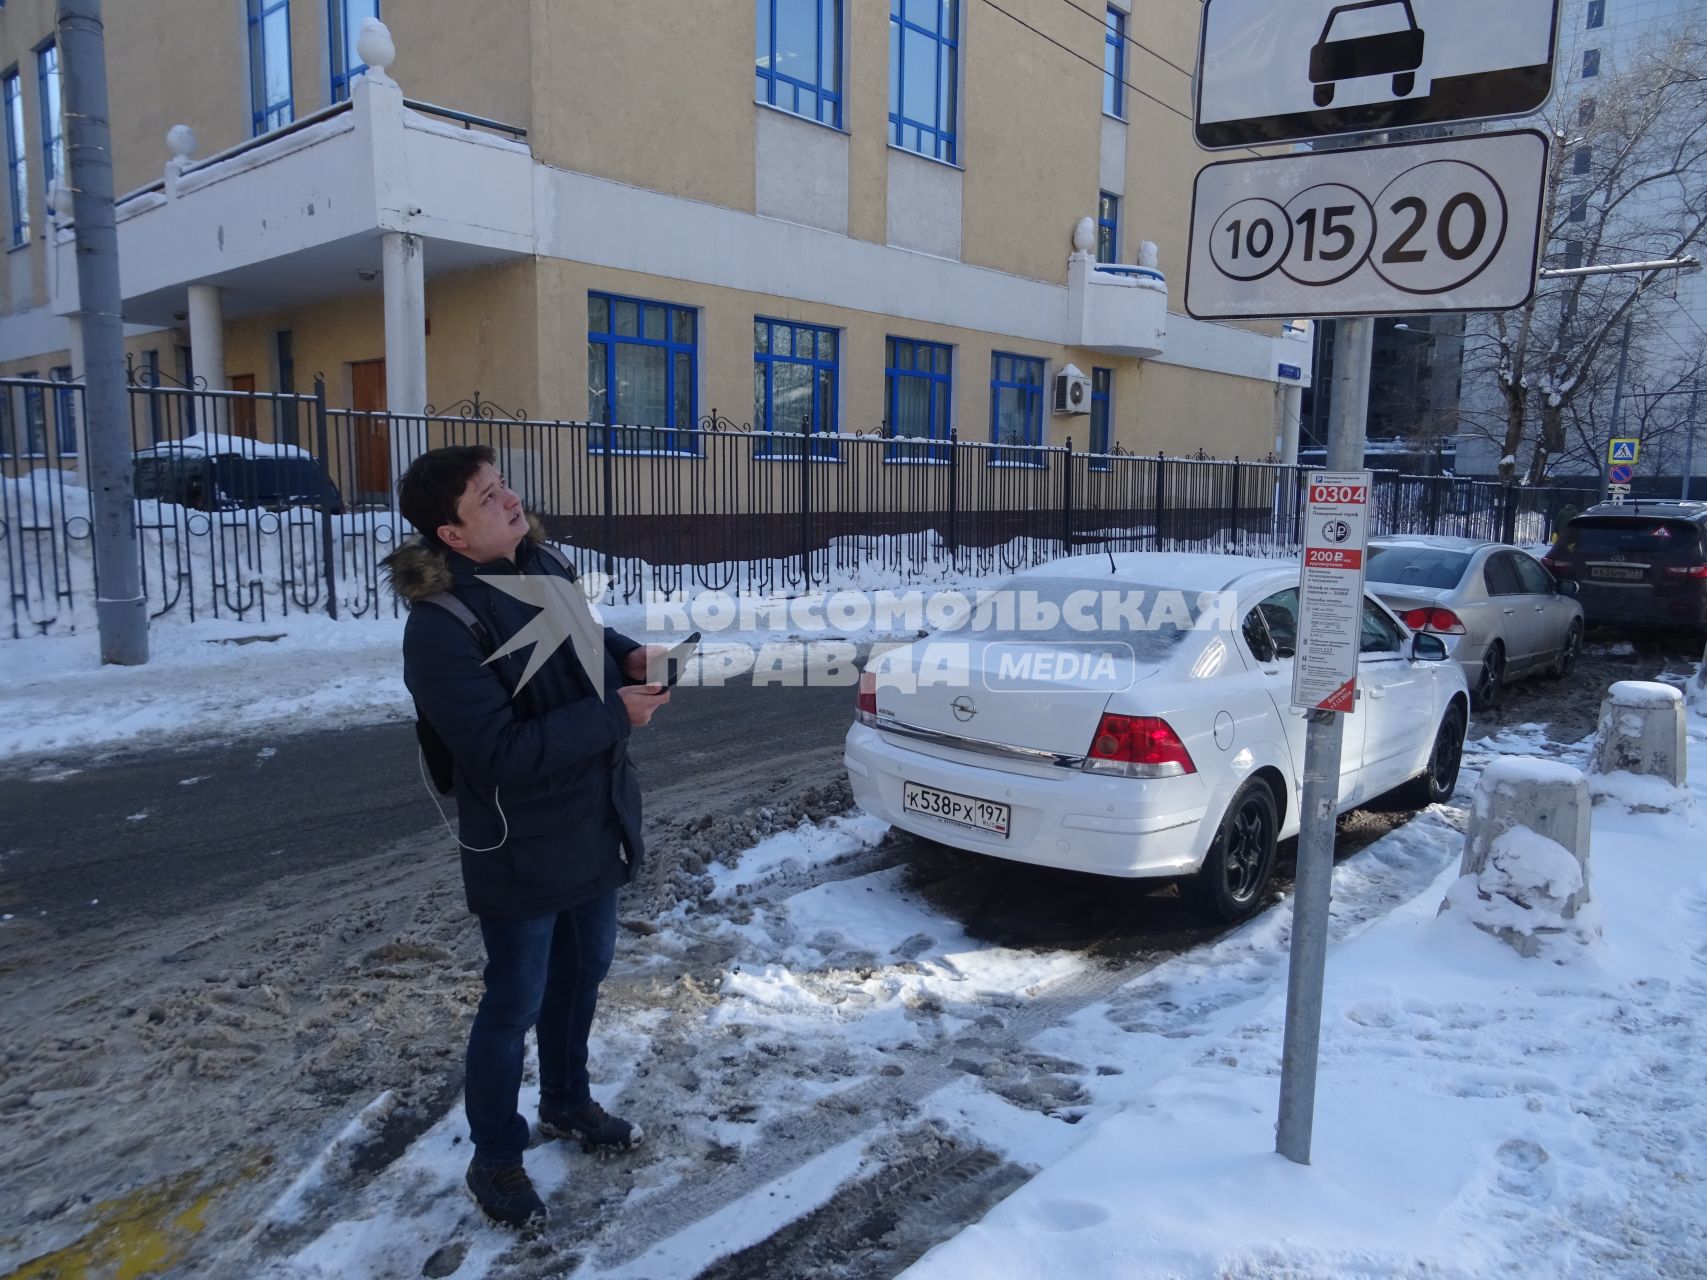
(905, 217)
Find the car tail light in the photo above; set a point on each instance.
(1137, 747)
(1551, 565)
(1687, 570)
(865, 709)
(1442, 621)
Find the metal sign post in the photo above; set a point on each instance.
(1333, 587)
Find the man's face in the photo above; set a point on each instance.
(490, 520)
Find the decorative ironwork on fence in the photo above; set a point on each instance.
(253, 505)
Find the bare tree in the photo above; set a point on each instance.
(1627, 182)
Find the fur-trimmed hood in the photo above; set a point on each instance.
(418, 569)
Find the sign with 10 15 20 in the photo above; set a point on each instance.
(1450, 225)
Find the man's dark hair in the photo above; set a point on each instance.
(428, 492)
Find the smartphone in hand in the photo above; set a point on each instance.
(666, 670)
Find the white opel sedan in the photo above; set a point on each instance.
(1131, 716)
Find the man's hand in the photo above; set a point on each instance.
(642, 700)
(637, 665)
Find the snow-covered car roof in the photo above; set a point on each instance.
(211, 442)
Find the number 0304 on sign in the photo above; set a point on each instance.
(1450, 225)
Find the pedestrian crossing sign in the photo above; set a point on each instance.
(1623, 449)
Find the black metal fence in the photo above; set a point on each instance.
(259, 505)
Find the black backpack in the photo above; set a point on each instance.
(441, 765)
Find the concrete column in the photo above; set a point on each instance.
(1524, 873)
(207, 354)
(1642, 731)
(405, 343)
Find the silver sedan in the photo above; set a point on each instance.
(1502, 615)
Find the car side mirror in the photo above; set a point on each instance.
(1427, 648)
(1566, 586)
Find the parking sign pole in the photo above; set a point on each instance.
(1323, 743)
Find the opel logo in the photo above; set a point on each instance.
(964, 708)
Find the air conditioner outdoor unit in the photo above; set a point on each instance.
(1072, 391)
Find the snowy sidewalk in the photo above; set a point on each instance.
(1477, 1114)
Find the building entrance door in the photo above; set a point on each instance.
(373, 430)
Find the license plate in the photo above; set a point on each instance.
(1619, 572)
(964, 811)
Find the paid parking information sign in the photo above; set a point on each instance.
(1330, 593)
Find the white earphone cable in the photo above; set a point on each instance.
(432, 794)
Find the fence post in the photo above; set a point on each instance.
(806, 501)
(1434, 504)
(1161, 495)
(328, 561)
(953, 492)
(1233, 503)
(1508, 514)
(1067, 498)
(607, 533)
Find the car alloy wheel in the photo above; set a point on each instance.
(1241, 857)
(1439, 779)
(1567, 659)
(1491, 683)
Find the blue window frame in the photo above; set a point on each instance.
(1102, 413)
(17, 157)
(918, 397)
(35, 419)
(1016, 407)
(797, 57)
(795, 367)
(642, 374)
(343, 26)
(64, 412)
(1114, 65)
(52, 114)
(1108, 227)
(1591, 63)
(1596, 14)
(924, 55)
(271, 103)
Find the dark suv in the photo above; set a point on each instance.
(1642, 564)
(273, 478)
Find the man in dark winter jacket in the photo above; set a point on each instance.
(548, 804)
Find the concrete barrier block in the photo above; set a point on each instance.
(1642, 731)
(1524, 873)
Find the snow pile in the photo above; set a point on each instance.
(1524, 891)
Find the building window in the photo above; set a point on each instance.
(52, 115)
(1108, 228)
(17, 159)
(343, 26)
(270, 99)
(35, 420)
(924, 51)
(1102, 408)
(1585, 111)
(1591, 63)
(642, 373)
(1573, 254)
(917, 391)
(794, 386)
(1114, 65)
(151, 380)
(1016, 407)
(1579, 210)
(64, 412)
(1583, 161)
(1596, 14)
(797, 58)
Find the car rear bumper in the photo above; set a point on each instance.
(1128, 827)
(1640, 606)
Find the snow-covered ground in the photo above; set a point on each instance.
(1477, 1114)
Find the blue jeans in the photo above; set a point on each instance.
(542, 970)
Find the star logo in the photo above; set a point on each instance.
(563, 616)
